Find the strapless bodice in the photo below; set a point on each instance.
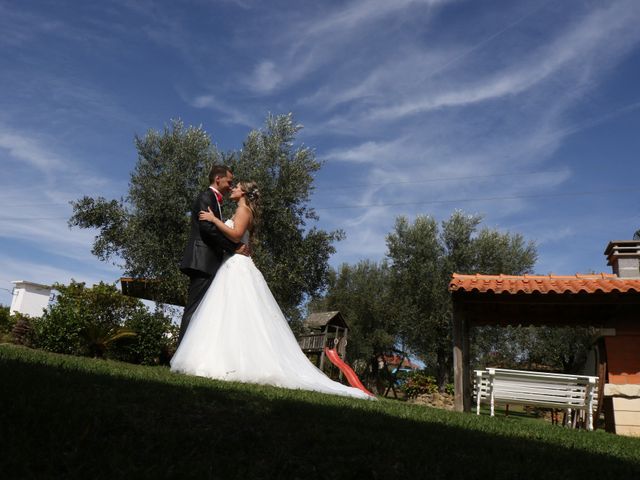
(245, 236)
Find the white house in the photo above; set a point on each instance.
(29, 298)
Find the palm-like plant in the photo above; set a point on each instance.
(99, 338)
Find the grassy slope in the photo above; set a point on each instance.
(68, 417)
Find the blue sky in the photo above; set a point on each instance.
(527, 112)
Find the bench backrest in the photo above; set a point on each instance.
(543, 389)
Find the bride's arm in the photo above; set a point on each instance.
(241, 220)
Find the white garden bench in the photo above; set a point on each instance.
(541, 389)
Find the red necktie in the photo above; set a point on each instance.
(218, 196)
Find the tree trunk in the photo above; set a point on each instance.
(442, 369)
(375, 374)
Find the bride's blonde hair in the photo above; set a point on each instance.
(252, 200)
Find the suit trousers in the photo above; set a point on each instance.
(198, 286)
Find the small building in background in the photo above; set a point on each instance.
(608, 302)
(400, 362)
(29, 298)
(324, 329)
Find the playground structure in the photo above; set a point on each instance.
(327, 339)
(324, 329)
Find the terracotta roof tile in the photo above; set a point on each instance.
(600, 283)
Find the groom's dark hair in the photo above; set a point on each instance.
(218, 171)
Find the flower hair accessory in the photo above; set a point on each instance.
(253, 194)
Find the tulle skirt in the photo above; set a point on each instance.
(239, 333)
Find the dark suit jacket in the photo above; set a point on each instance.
(203, 254)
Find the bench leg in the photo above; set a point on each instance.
(492, 399)
(478, 391)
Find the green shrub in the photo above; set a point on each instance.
(418, 383)
(59, 330)
(101, 322)
(22, 332)
(85, 321)
(6, 322)
(155, 339)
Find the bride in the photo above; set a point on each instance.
(238, 332)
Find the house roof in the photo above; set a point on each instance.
(518, 284)
(22, 283)
(320, 319)
(394, 361)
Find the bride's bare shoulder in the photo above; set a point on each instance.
(243, 216)
(246, 211)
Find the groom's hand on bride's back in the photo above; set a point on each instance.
(244, 249)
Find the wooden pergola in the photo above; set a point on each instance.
(145, 289)
(604, 301)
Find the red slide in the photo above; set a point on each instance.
(352, 378)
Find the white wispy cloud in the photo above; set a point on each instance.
(37, 151)
(15, 268)
(468, 121)
(45, 228)
(35, 193)
(602, 36)
(357, 14)
(23, 149)
(312, 43)
(370, 85)
(420, 102)
(20, 27)
(266, 77)
(231, 114)
(23, 27)
(518, 134)
(371, 151)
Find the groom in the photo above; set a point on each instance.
(203, 254)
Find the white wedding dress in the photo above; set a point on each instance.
(239, 333)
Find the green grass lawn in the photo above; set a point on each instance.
(69, 417)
